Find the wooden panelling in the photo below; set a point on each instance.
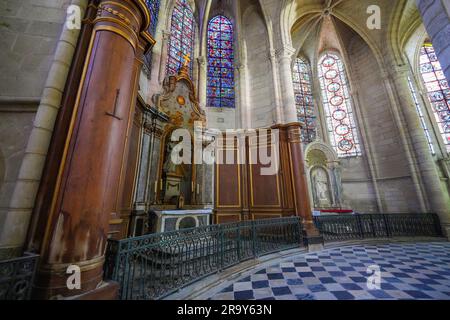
(269, 196)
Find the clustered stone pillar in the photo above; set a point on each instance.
(296, 158)
(88, 186)
(285, 66)
(14, 230)
(436, 18)
(202, 81)
(439, 200)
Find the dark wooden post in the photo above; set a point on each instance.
(88, 189)
(300, 184)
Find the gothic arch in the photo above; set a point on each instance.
(320, 156)
(325, 148)
(405, 21)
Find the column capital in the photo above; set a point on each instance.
(396, 71)
(166, 34)
(201, 60)
(127, 18)
(286, 52)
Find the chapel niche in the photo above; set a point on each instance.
(324, 176)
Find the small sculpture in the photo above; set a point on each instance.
(180, 202)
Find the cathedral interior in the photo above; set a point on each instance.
(99, 199)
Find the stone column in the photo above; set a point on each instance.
(14, 231)
(87, 191)
(164, 56)
(202, 80)
(245, 115)
(300, 183)
(423, 168)
(276, 86)
(436, 18)
(287, 87)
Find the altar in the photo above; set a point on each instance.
(174, 191)
(171, 220)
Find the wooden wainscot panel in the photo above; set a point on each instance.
(120, 223)
(264, 189)
(228, 178)
(227, 217)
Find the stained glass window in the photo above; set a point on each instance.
(303, 99)
(220, 90)
(182, 37)
(153, 6)
(420, 113)
(338, 106)
(437, 89)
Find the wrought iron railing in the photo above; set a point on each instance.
(155, 265)
(17, 276)
(364, 226)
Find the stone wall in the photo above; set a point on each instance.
(391, 171)
(261, 106)
(436, 18)
(29, 31)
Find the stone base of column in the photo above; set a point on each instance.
(446, 232)
(52, 280)
(10, 252)
(106, 291)
(312, 238)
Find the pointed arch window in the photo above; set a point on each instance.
(438, 90)
(153, 7)
(421, 116)
(338, 106)
(301, 77)
(181, 36)
(220, 90)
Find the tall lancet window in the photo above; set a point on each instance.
(220, 90)
(338, 106)
(153, 7)
(301, 76)
(181, 45)
(437, 89)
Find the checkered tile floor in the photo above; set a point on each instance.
(408, 271)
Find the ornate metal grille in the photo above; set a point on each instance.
(363, 226)
(17, 276)
(155, 265)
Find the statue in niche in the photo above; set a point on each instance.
(169, 166)
(321, 188)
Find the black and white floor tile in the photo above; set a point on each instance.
(408, 271)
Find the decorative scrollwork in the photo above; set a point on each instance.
(115, 13)
(16, 277)
(165, 262)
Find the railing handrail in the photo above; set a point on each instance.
(154, 265)
(375, 225)
(15, 271)
(167, 234)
